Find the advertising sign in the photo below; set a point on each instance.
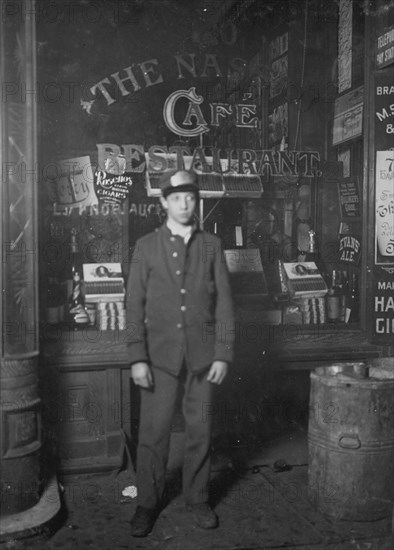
(384, 208)
(348, 115)
(72, 182)
(349, 199)
(383, 281)
(384, 110)
(385, 48)
(382, 284)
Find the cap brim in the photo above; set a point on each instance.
(186, 188)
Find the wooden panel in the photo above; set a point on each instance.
(82, 427)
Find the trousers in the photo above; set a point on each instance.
(156, 412)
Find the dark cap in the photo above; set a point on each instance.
(176, 181)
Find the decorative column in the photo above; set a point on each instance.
(22, 483)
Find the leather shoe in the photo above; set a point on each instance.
(203, 515)
(143, 521)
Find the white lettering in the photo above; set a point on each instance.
(382, 305)
(385, 285)
(386, 38)
(384, 114)
(211, 160)
(169, 113)
(149, 71)
(389, 54)
(384, 326)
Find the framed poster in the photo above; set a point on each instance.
(348, 116)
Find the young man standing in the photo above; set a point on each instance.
(179, 305)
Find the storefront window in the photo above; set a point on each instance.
(246, 95)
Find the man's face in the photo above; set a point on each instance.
(180, 206)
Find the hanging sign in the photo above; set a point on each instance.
(385, 48)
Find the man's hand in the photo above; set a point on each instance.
(142, 375)
(217, 372)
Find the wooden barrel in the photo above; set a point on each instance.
(20, 436)
(351, 446)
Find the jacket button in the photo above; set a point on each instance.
(178, 272)
(179, 325)
(183, 308)
(172, 239)
(175, 254)
(183, 291)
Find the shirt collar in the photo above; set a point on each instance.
(184, 232)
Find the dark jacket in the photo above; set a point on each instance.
(179, 302)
